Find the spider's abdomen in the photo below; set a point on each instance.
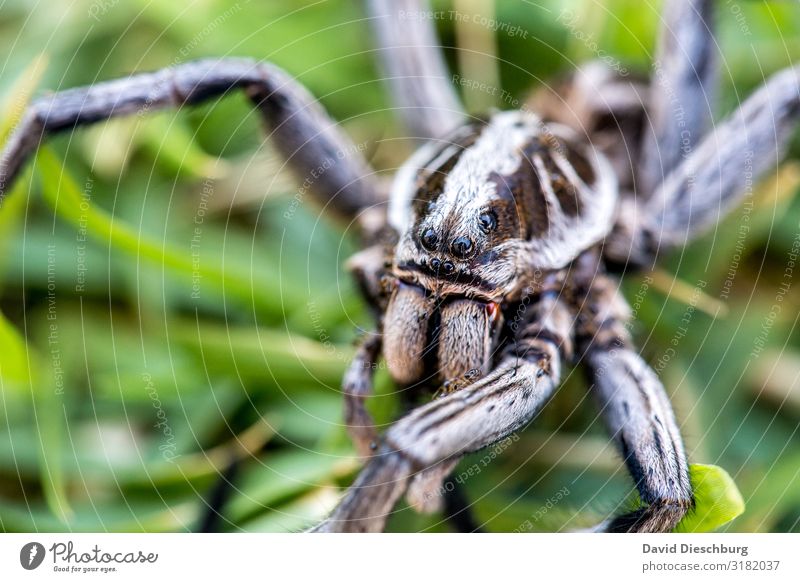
(495, 200)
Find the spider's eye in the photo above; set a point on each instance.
(461, 247)
(429, 239)
(488, 221)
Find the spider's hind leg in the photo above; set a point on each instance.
(638, 414)
(690, 178)
(715, 177)
(313, 145)
(414, 66)
(682, 91)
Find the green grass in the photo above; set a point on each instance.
(125, 393)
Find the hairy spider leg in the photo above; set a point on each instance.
(312, 144)
(414, 67)
(682, 91)
(636, 410)
(476, 416)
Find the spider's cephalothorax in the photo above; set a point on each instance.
(485, 214)
(489, 267)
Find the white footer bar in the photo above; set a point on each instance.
(388, 557)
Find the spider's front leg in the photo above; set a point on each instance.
(440, 432)
(637, 413)
(312, 144)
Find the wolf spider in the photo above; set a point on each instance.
(490, 262)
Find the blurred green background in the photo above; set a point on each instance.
(141, 360)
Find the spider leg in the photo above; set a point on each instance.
(313, 145)
(412, 61)
(425, 492)
(638, 414)
(357, 386)
(681, 92)
(368, 268)
(715, 176)
(477, 416)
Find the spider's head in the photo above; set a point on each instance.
(458, 206)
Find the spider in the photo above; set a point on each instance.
(490, 261)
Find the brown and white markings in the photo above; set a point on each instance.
(489, 269)
(484, 214)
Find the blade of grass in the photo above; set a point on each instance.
(120, 517)
(112, 472)
(677, 289)
(20, 364)
(171, 143)
(775, 377)
(282, 476)
(11, 220)
(20, 95)
(296, 515)
(258, 352)
(208, 463)
(62, 193)
(773, 493)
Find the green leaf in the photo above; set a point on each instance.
(717, 500)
